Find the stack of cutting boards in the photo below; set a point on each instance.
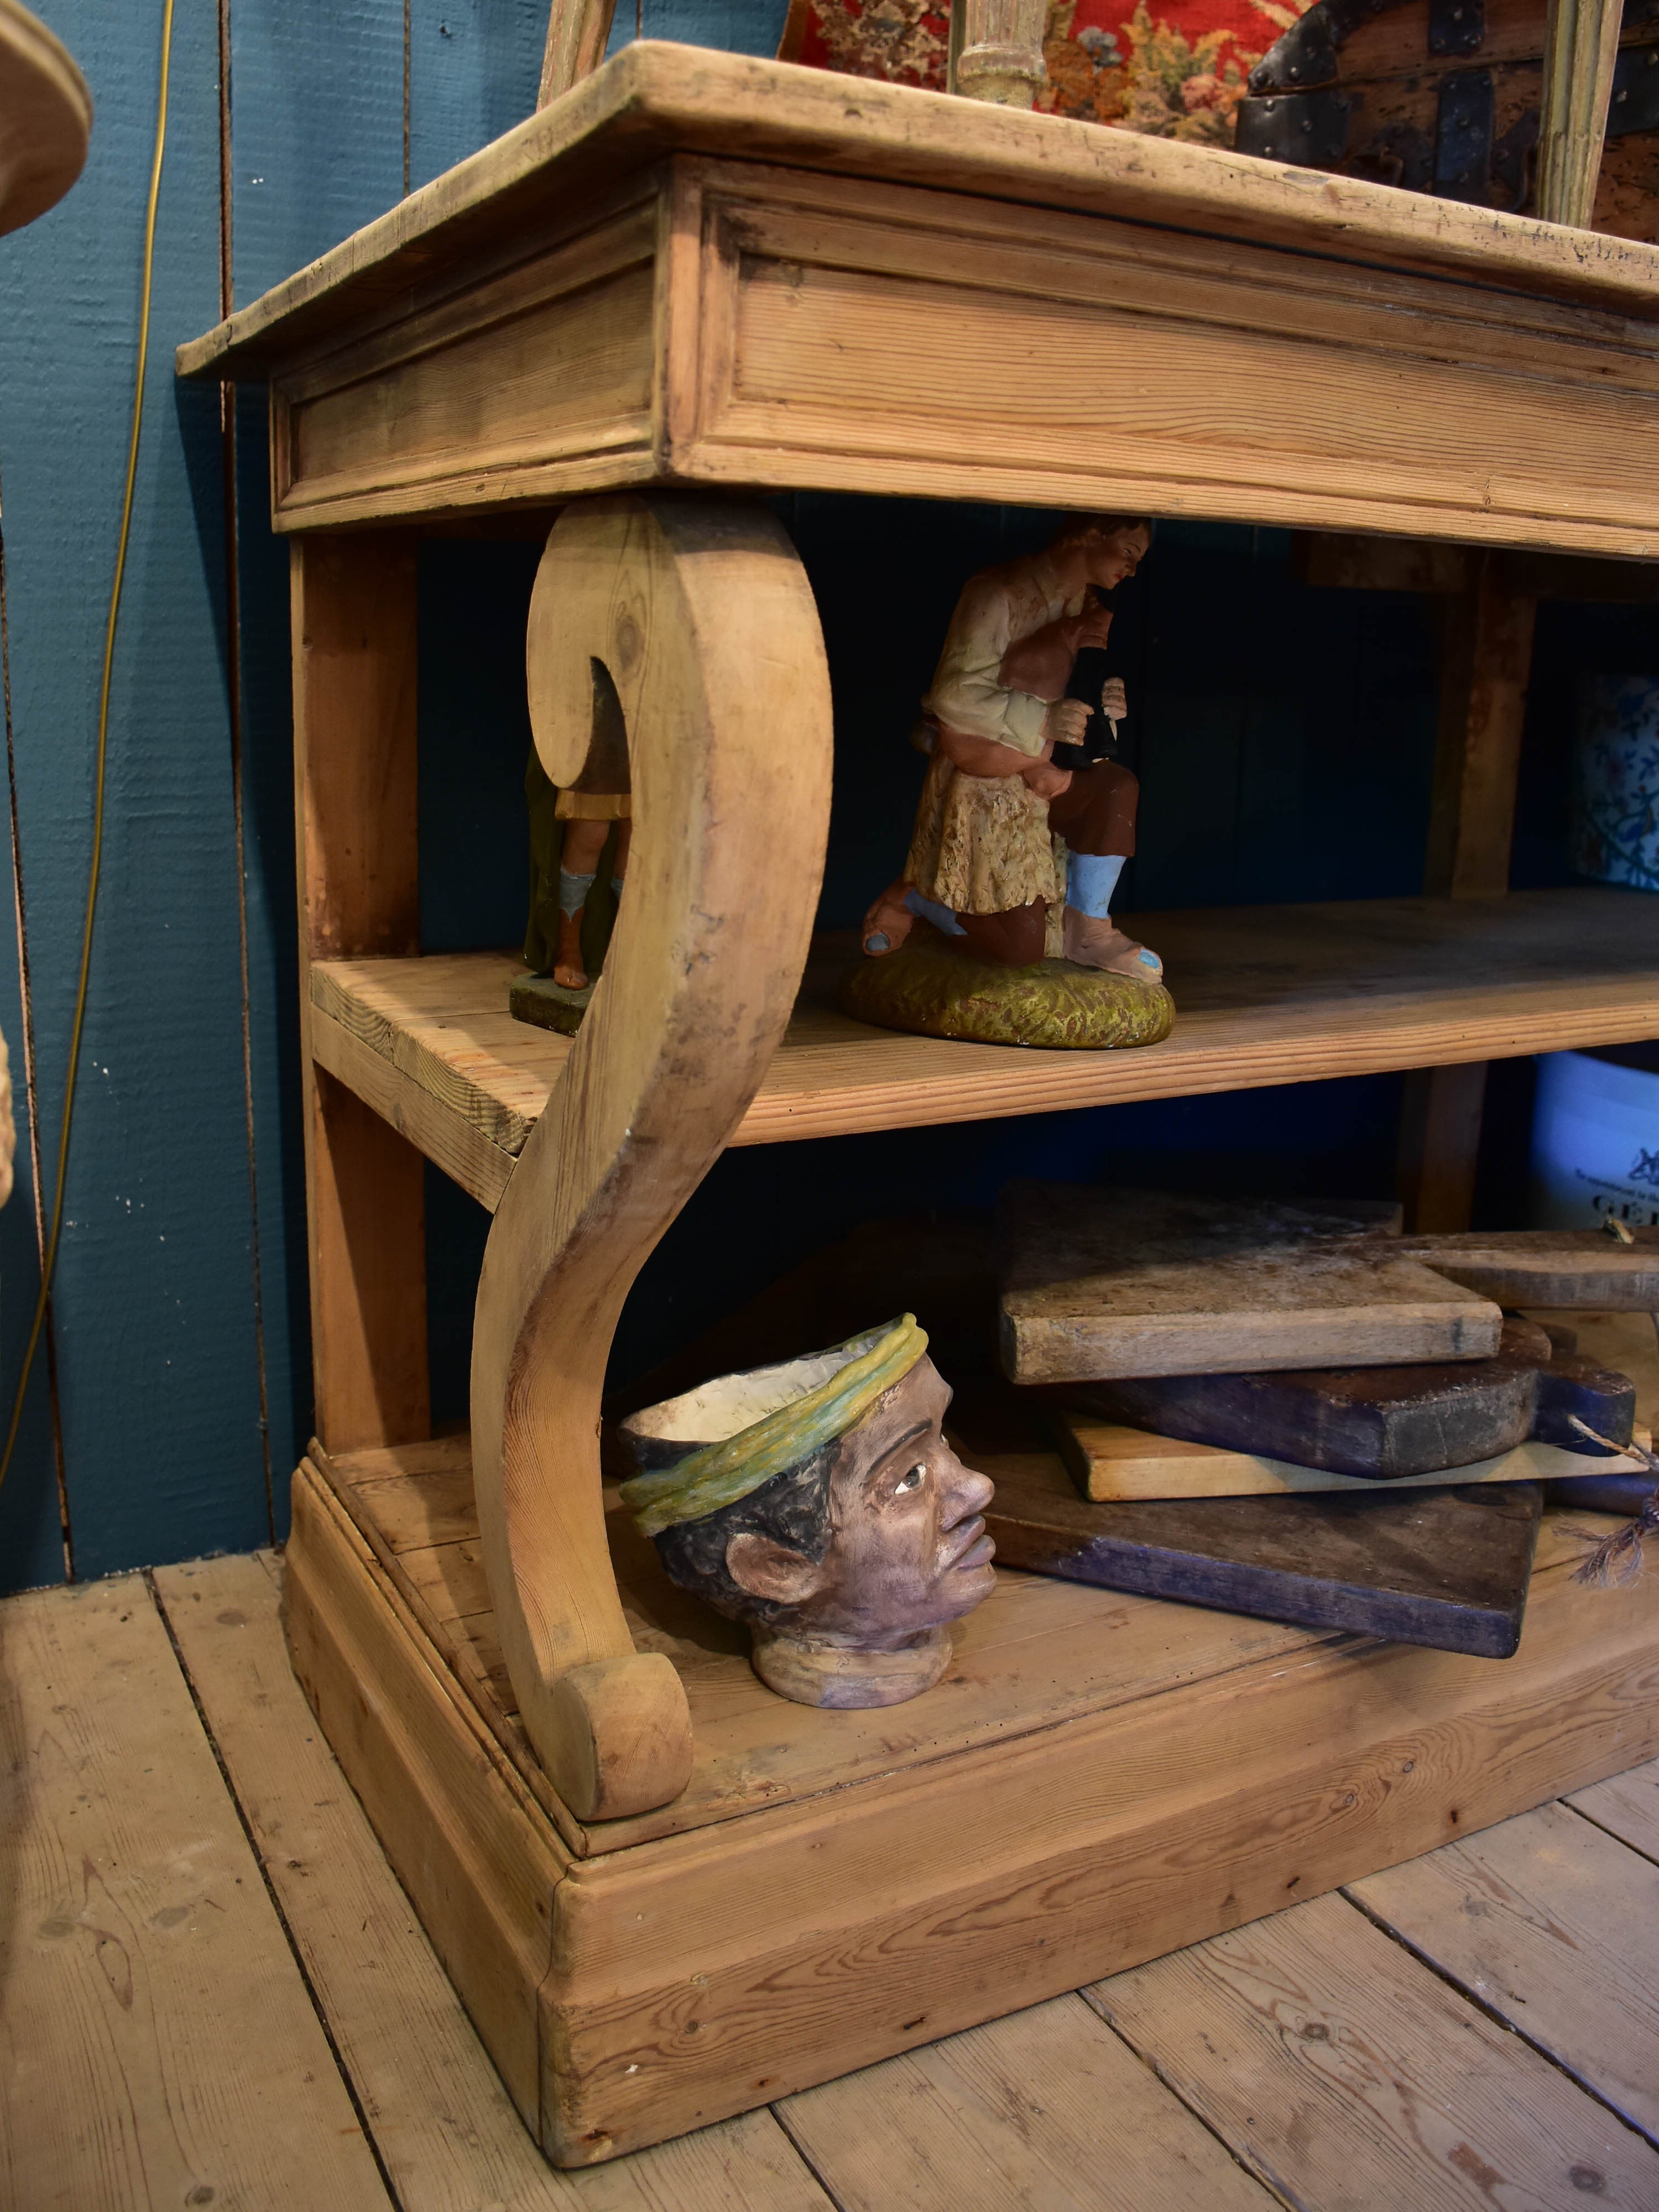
(1293, 1411)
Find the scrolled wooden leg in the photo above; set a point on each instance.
(700, 616)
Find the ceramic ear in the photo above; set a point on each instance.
(768, 1570)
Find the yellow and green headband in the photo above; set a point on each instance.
(718, 1474)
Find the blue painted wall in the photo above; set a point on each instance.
(1285, 739)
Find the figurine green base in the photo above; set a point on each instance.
(548, 1004)
(930, 988)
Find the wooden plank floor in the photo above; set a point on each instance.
(213, 1992)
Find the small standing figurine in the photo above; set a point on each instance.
(983, 864)
(820, 1501)
(572, 897)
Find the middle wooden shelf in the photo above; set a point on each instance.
(1267, 995)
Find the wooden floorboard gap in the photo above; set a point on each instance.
(1602, 1828)
(243, 1822)
(1501, 2020)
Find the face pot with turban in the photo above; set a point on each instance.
(819, 1502)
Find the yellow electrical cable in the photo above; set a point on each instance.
(79, 1024)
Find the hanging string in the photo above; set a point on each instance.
(95, 863)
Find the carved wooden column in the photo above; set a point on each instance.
(702, 617)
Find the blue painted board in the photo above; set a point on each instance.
(474, 66)
(155, 1340)
(317, 119)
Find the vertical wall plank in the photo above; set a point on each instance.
(317, 143)
(473, 68)
(33, 1539)
(316, 149)
(153, 1295)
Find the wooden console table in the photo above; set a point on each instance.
(665, 1894)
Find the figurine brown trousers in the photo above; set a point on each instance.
(1095, 814)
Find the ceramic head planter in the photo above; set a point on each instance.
(820, 1501)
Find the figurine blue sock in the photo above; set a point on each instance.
(616, 886)
(572, 891)
(1091, 880)
(930, 910)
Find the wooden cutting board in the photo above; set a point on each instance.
(1102, 1283)
(1108, 1461)
(1384, 1422)
(1445, 1567)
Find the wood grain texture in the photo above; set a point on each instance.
(152, 2023)
(45, 117)
(1562, 1269)
(1441, 1111)
(1277, 2033)
(1626, 1340)
(1627, 1805)
(802, 328)
(576, 33)
(368, 1208)
(1581, 46)
(1039, 1652)
(653, 98)
(843, 1906)
(1446, 1567)
(1099, 1283)
(1381, 1422)
(1047, 2107)
(1267, 995)
(915, 1918)
(1108, 1461)
(442, 2123)
(1551, 1923)
(468, 1839)
(353, 608)
(830, 317)
(1486, 662)
(704, 618)
(548, 363)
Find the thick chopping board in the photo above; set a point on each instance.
(1384, 1422)
(1567, 1267)
(1100, 1283)
(1445, 1567)
(1108, 1461)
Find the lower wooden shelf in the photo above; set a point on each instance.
(1266, 995)
(1098, 1780)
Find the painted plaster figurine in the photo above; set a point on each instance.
(818, 1501)
(569, 834)
(984, 866)
(579, 862)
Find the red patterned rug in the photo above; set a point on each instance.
(1173, 69)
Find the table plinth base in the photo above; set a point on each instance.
(1098, 1779)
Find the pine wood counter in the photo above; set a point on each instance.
(1100, 1780)
(702, 270)
(1266, 995)
(662, 1893)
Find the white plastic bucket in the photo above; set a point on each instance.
(1594, 1144)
